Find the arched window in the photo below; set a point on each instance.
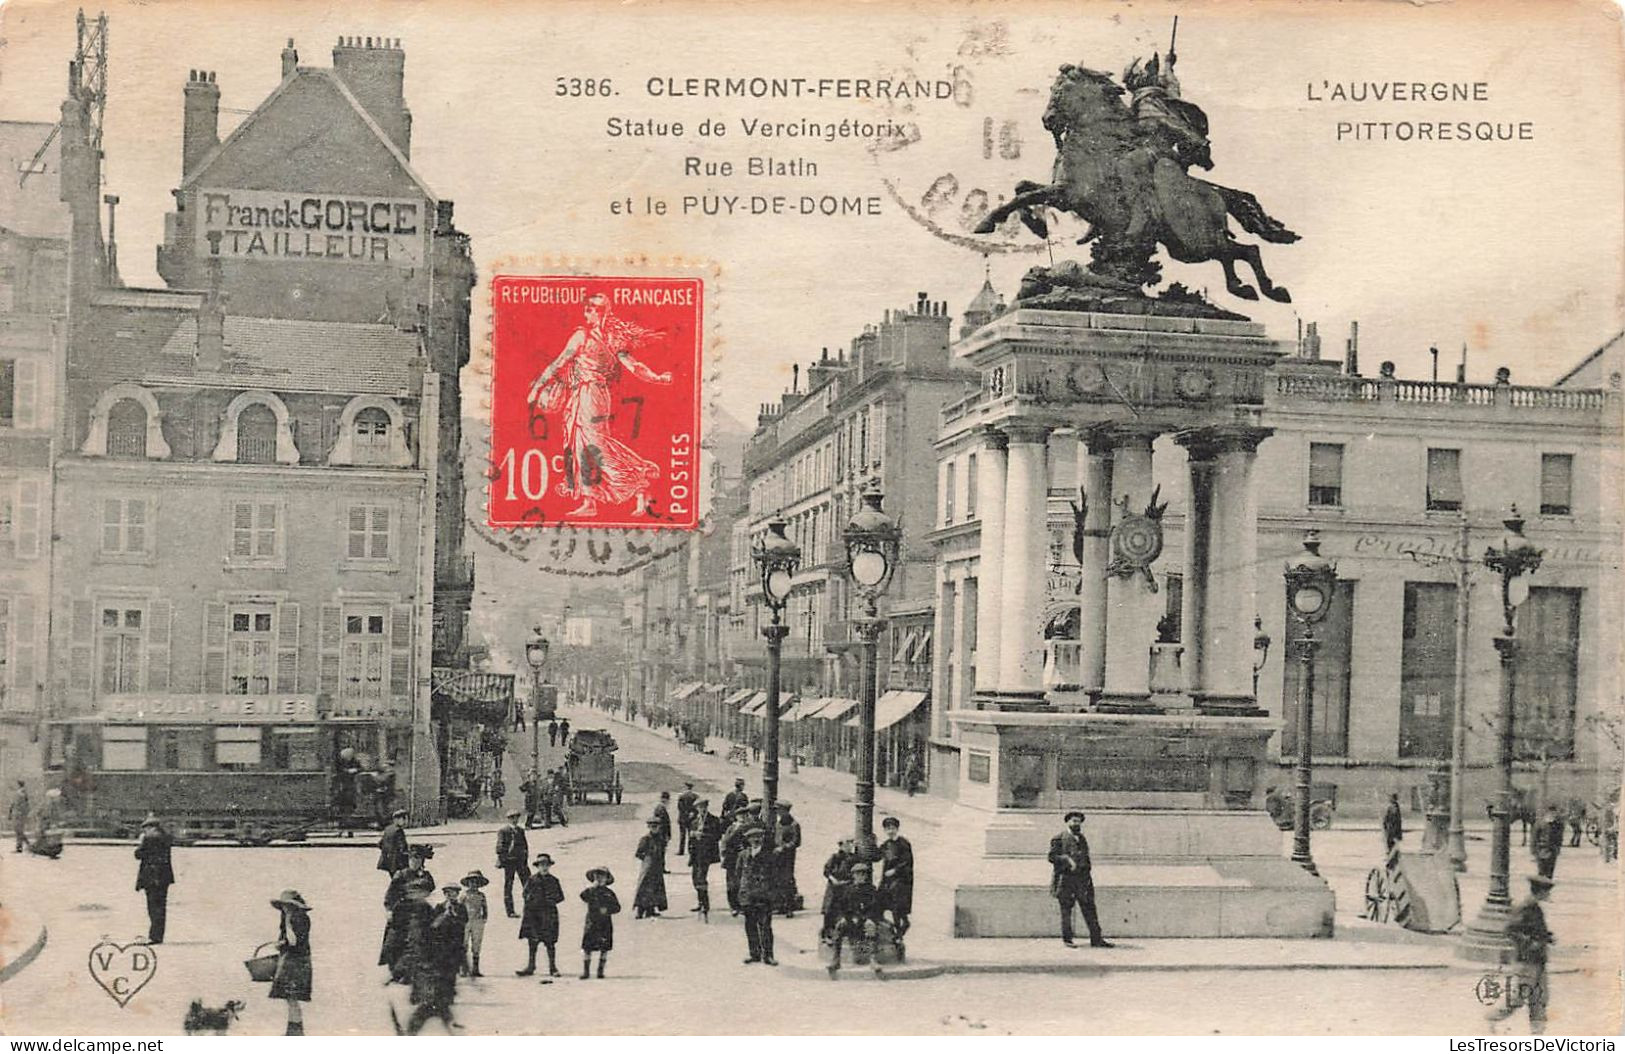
(127, 429)
(256, 435)
(372, 439)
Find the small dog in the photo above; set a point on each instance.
(200, 1018)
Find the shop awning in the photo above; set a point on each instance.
(802, 708)
(755, 705)
(893, 707)
(684, 691)
(836, 708)
(810, 707)
(738, 697)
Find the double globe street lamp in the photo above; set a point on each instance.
(1311, 584)
(1515, 559)
(777, 558)
(872, 540)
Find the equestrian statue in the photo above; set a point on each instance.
(1122, 167)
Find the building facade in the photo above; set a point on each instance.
(1407, 483)
(260, 554)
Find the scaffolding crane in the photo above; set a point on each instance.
(87, 82)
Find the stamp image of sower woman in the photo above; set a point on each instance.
(580, 386)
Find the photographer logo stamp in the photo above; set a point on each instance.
(595, 402)
(123, 969)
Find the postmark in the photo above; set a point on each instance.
(595, 401)
(122, 970)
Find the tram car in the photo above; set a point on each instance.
(246, 781)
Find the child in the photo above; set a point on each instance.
(474, 931)
(540, 924)
(598, 934)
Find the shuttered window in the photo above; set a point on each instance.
(369, 533)
(256, 530)
(124, 526)
(1444, 480)
(250, 650)
(1325, 473)
(1556, 484)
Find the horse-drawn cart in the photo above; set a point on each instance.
(589, 766)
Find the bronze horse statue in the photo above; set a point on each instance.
(1121, 167)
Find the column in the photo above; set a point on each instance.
(1025, 578)
(1097, 531)
(991, 474)
(1132, 608)
(1231, 598)
(1199, 455)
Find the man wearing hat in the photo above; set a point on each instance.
(703, 851)
(392, 845)
(406, 893)
(857, 915)
(1072, 881)
(474, 931)
(685, 816)
(18, 814)
(729, 849)
(896, 875)
(155, 874)
(787, 840)
(662, 817)
(1526, 983)
(543, 895)
(513, 849)
(735, 800)
(758, 869)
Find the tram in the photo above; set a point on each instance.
(249, 780)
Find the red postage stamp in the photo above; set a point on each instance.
(595, 402)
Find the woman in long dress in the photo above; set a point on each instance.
(650, 899)
(580, 385)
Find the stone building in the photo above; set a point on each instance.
(262, 459)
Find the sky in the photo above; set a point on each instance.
(1513, 248)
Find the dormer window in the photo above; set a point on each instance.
(372, 439)
(256, 435)
(372, 432)
(127, 429)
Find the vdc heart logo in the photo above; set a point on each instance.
(122, 969)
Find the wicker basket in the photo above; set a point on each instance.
(262, 967)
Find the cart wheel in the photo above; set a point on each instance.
(1376, 895)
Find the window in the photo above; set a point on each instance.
(1332, 678)
(371, 437)
(250, 651)
(8, 392)
(368, 537)
(237, 746)
(1325, 473)
(180, 749)
(295, 749)
(127, 429)
(364, 660)
(120, 635)
(256, 530)
(1549, 631)
(1444, 480)
(124, 748)
(970, 487)
(124, 526)
(948, 492)
(1427, 670)
(1556, 484)
(256, 435)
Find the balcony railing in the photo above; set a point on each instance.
(1339, 388)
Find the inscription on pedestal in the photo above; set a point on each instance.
(1081, 772)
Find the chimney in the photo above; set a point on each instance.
(200, 131)
(1351, 358)
(795, 378)
(211, 324)
(1461, 368)
(290, 60)
(374, 69)
(112, 239)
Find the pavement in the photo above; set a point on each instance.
(679, 975)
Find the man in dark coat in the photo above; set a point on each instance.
(543, 895)
(1548, 842)
(896, 875)
(155, 874)
(531, 787)
(703, 851)
(435, 962)
(1393, 824)
(731, 846)
(410, 886)
(662, 816)
(552, 733)
(512, 851)
(837, 878)
(685, 816)
(392, 845)
(787, 840)
(735, 800)
(1526, 983)
(18, 814)
(858, 918)
(759, 870)
(1072, 881)
(564, 732)
(557, 791)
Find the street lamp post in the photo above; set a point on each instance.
(536, 656)
(872, 541)
(1485, 940)
(1311, 583)
(777, 558)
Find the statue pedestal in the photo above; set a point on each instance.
(1179, 846)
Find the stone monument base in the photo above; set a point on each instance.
(1179, 846)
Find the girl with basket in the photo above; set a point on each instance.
(293, 976)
